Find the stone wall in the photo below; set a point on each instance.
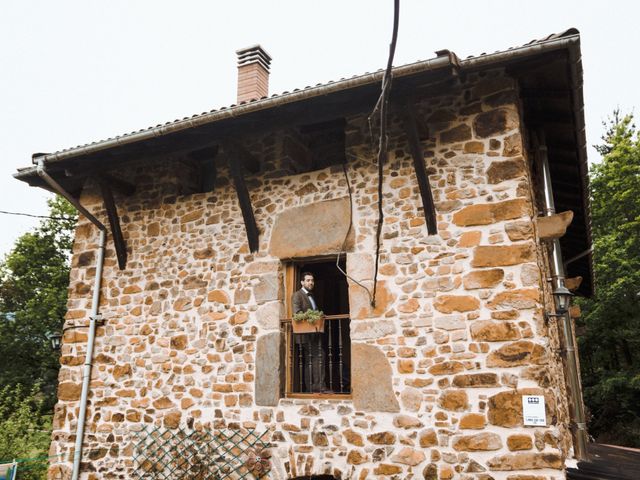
(457, 336)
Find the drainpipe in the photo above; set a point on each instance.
(558, 277)
(93, 319)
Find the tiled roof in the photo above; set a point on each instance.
(188, 121)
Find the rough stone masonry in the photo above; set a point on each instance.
(192, 326)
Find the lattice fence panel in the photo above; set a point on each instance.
(163, 454)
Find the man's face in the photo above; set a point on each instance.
(308, 282)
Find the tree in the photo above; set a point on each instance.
(25, 431)
(34, 278)
(610, 348)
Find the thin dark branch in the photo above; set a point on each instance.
(382, 140)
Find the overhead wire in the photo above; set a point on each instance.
(59, 219)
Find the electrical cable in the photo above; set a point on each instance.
(60, 219)
(381, 105)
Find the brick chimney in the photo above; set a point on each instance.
(253, 73)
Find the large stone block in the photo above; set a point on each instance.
(456, 303)
(428, 438)
(488, 213)
(371, 374)
(519, 230)
(268, 370)
(479, 442)
(456, 134)
(488, 331)
(495, 122)
(454, 400)
(411, 399)
(360, 266)
(483, 278)
(473, 421)
(554, 226)
(505, 408)
(311, 230)
(450, 322)
(522, 298)
(409, 456)
(366, 330)
(69, 391)
(518, 353)
(499, 171)
(512, 145)
(446, 368)
(525, 461)
(476, 380)
(519, 442)
(360, 303)
(502, 255)
(267, 289)
(269, 314)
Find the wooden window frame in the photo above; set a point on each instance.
(290, 271)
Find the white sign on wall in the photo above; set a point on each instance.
(533, 410)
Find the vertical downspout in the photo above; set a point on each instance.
(93, 319)
(558, 277)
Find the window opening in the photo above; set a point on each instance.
(320, 363)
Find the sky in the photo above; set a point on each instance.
(77, 71)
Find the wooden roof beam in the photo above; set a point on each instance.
(236, 157)
(411, 128)
(114, 221)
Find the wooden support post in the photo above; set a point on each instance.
(236, 156)
(428, 206)
(114, 222)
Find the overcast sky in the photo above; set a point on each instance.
(80, 71)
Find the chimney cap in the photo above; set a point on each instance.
(253, 54)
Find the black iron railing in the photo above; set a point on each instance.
(321, 365)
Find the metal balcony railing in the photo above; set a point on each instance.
(331, 355)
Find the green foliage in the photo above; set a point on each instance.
(34, 278)
(24, 430)
(310, 316)
(33, 294)
(610, 347)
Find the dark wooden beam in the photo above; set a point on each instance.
(411, 128)
(235, 154)
(545, 93)
(119, 185)
(114, 221)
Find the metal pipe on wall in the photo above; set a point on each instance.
(558, 277)
(93, 319)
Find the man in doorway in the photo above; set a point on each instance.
(310, 344)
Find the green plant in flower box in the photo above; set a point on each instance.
(310, 316)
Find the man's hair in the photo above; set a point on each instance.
(305, 274)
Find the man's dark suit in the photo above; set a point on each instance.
(310, 344)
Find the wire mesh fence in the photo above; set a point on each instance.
(163, 454)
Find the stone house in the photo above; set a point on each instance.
(212, 219)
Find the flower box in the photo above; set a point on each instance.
(311, 321)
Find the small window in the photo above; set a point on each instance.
(319, 363)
